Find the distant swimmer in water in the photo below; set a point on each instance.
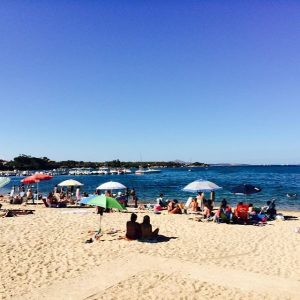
(291, 195)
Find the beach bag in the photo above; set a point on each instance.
(262, 217)
(157, 207)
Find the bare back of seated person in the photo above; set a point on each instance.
(133, 230)
(146, 230)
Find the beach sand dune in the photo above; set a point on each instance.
(43, 256)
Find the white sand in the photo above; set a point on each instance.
(43, 256)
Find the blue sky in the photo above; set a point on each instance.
(211, 81)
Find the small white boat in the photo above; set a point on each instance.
(103, 171)
(142, 171)
(113, 171)
(127, 171)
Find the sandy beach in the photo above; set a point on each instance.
(44, 256)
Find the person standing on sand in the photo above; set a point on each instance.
(134, 197)
(127, 195)
(200, 200)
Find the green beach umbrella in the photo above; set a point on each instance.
(105, 202)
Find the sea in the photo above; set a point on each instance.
(275, 181)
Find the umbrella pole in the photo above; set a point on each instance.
(100, 224)
(37, 192)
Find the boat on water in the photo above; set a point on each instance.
(142, 171)
(123, 171)
(113, 171)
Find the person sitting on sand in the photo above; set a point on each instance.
(133, 228)
(16, 200)
(269, 209)
(224, 213)
(160, 200)
(146, 229)
(253, 211)
(176, 209)
(241, 213)
(51, 200)
(171, 205)
(207, 209)
(29, 194)
(62, 195)
(194, 205)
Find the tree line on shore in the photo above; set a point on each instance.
(27, 162)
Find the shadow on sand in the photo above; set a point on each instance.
(160, 239)
(290, 218)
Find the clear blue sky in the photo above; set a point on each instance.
(211, 81)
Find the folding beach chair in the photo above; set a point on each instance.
(269, 210)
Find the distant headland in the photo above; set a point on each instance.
(27, 162)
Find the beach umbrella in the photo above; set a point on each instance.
(201, 186)
(4, 181)
(104, 202)
(70, 182)
(36, 178)
(111, 185)
(245, 189)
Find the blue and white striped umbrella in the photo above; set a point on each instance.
(4, 181)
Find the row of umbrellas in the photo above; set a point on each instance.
(195, 186)
(96, 200)
(111, 185)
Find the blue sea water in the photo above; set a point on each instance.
(275, 181)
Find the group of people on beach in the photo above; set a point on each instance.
(20, 194)
(173, 206)
(242, 213)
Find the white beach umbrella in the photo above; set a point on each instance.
(4, 181)
(201, 186)
(70, 182)
(111, 185)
